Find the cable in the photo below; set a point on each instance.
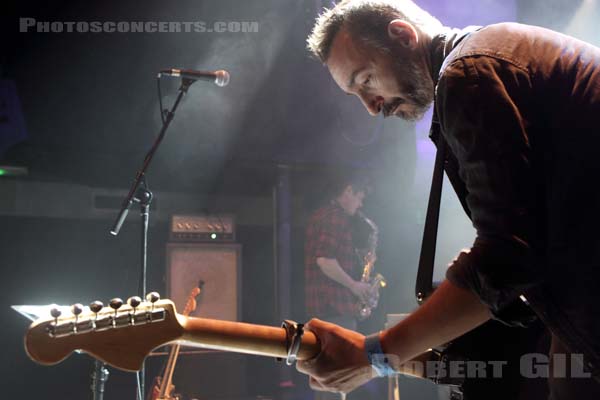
(160, 105)
(139, 386)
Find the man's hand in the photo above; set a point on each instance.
(361, 290)
(332, 269)
(342, 364)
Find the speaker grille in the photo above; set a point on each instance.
(218, 265)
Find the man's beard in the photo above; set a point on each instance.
(418, 91)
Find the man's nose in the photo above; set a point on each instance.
(373, 104)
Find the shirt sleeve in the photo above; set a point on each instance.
(482, 106)
(327, 237)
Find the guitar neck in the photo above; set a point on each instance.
(267, 341)
(123, 339)
(243, 338)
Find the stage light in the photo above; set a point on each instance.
(6, 170)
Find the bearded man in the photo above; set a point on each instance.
(518, 108)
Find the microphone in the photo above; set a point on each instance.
(220, 77)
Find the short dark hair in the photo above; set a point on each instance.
(359, 180)
(366, 20)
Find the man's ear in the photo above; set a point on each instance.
(404, 33)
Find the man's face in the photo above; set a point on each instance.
(396, 83)
(351, 201)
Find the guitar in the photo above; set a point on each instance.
(122, 335)
(163, 387)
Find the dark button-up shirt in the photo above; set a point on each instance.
(519, 107)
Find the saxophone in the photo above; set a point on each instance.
(377, 281)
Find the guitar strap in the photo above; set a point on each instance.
(424, 285)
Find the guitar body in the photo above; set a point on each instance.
(155, 391)
(494, 341)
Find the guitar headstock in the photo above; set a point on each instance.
(121, 335)
(190, 304)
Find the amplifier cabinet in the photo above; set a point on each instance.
(218, 265)
(202, 228)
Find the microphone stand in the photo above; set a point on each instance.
(139, 193)
(99, 377)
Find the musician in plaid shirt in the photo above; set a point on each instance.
(332, 285)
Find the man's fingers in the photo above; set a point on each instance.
(315, 325)
(364, 296)
(315, 385)
(305, 366)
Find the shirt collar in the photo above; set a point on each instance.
(443, 43)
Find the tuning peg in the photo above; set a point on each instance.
(55, 312)
(115, 304)
(96, 306)
(153, 297)
(77, 309)
(134, 301)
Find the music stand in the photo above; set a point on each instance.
(34, 312)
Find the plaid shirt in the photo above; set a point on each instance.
(329, 235)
